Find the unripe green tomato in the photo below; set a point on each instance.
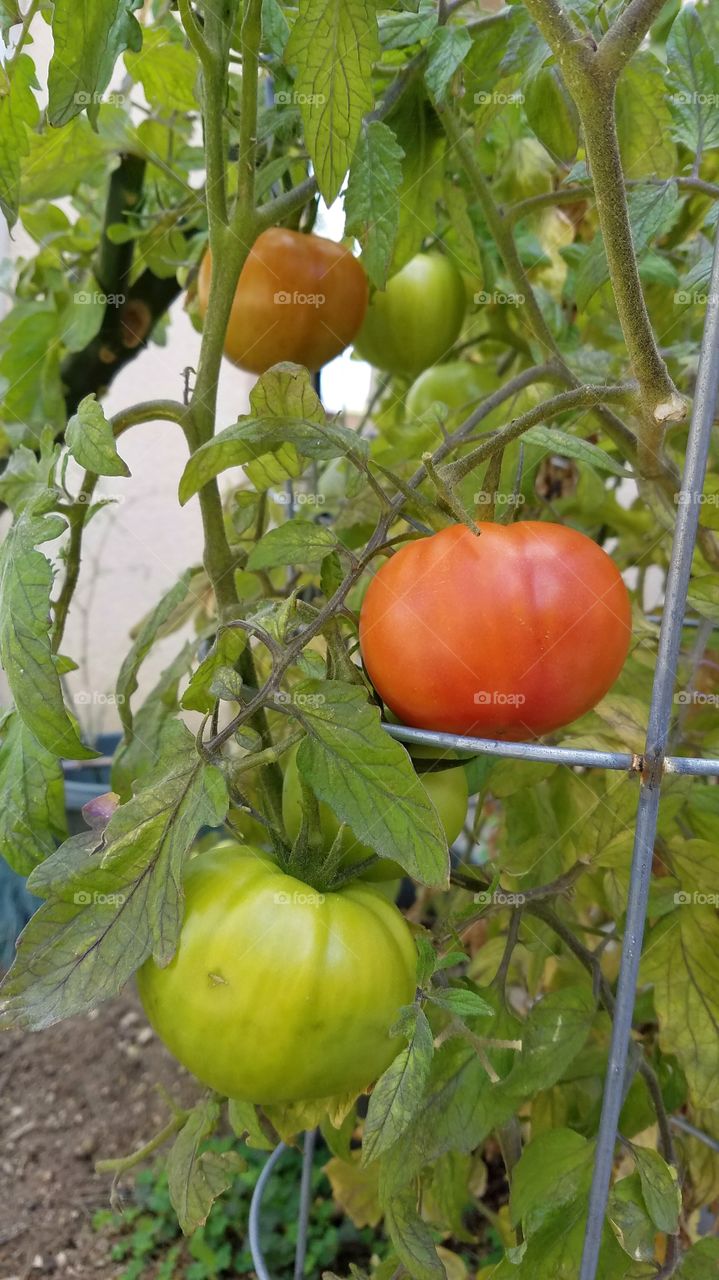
(276, 993)
(446, 789)
(456, 384)
(416, 319)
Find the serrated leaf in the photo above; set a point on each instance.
(226, 649)
(27, 478)
(679, 959)
(196, 1178)
(87, 39)
(447, 48)
(693, 81)
(148, 633)
(166, 69)
(551, 113)
(660, 1189)
(398, 30)
(629, 1219)
(246, 1124)
(644, 119)
(355, 1190)
(372, 198)
(701, 1261)
(412, 1238)
(25, 651)
(651, 210)
(19, 112)
(295, 542)
(555, 1167)
(375, 790)
(32, 816)
(113, 897)
(462, 1002)
(90, 439)
(398, 1092)
(333, 44)
(569, 446)
(136, 758)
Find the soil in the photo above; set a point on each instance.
(81, 1091)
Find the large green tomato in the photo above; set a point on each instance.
(417, 319)
(447, 789)
(457, 384)
(277, 993)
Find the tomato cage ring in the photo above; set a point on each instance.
(651, 766)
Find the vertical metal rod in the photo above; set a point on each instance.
(305, 1197)
(255, 1208)
(657, 732)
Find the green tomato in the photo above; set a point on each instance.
(458, 385)
(446, 789)
(416, 319)
(277, 993)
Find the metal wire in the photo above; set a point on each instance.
(255, 1206)
(305, 1196)
(677, 588)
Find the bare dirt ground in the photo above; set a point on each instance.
(79, 1092)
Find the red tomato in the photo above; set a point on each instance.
(299, 297)
(508, 634)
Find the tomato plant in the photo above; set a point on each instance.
(277, 993)
(299, 297)
(510, 215)
(435, 621)
(416, 319)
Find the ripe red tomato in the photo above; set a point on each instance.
(508, 634)
(299, 297)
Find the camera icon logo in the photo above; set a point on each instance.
(82, 898)
(283, 298)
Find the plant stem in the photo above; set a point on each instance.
(626, 34)
(123, 1163)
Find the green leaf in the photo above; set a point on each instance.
(660, 1189)
(446, 51)
(88, 39)
(372, 198)
(398, 1092)
(28, 477)
(113, 897)
(368, 781)
(226, 649)
(166, 70)
(693, 82)
(554, 1169)
(25, 651)
(398, 30)
(551, 113)
(90, 439)
(275, 27)
(196, 1178)
(295, 542)
(29, 373)
(412, 1238)
(19, 112)
(569, 446)
(651, 210)
(700, 1262)
(287, 419)
(333, 44)
(146, 636)
(421, 137)
(704, 595)
(629, 1220)
(61, 160)
(644, 119)
(246, 1124)
(680, 960)
(32, 816)
(462, 1002)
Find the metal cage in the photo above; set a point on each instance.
(651, 765)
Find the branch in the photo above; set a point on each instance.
(626, 34)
